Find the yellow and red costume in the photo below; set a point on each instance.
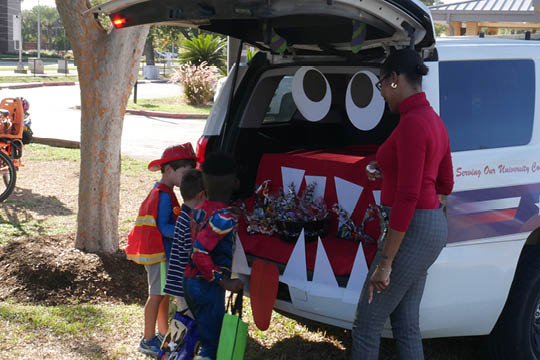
(145, 242)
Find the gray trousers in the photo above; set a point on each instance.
(422, 244)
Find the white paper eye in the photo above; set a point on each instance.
(311, 93)
(364, 103)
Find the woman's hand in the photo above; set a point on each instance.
(373, 171)
(379, 280)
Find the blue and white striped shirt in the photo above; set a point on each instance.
(181, 247)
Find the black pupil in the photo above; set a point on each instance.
(361, 90)
(314, 86)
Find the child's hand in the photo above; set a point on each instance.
(233, 285)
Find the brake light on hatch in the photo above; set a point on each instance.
(119, 22)
(201, 149)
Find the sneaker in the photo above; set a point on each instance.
(150, 347)
(160, 337)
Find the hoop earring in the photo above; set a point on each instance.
(393, 85)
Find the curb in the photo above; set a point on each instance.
(70, 144)
(160, 114)
(167, 115)
(37, 84)
(65, 83)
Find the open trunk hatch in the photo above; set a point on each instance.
(301, 27)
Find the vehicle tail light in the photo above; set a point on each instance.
(119, 22)
(201, 149)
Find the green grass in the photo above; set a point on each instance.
(170, 104)
(132, 167)
(29, 213)
(38, 152)
(42, 78)
(60, 320)
(29, 325)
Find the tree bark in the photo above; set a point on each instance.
(108, 65)
(149, 50)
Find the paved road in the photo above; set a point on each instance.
(53, 116)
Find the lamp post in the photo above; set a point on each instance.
(39, 30)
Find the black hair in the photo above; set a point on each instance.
(192, 184)
(177, 164)
(219, 176)
(406, 62)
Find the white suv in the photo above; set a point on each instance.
(487, 278)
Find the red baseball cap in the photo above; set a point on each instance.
(172, 153)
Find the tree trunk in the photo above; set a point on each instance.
(149, 50)
(108, 65)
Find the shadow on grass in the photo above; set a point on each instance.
(24, 199)
(19, 209)
(455, 348)
(148, 106)
(295, 348)
(459, 348)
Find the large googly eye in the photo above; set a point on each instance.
(311, 93)
(364, 103)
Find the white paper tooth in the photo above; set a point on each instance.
(321, 184)
(377, 196)
(324, 282)
(239, 263)
(357, 278)
(292, 175)
(347, 194)
(295, 273)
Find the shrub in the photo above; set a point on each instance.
(199, 82)
(205, 48)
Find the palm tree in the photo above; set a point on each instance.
(205, 47)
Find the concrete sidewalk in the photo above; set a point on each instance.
(128, 111)
(56, 120)
(61, 83)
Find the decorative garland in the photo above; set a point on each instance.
(287, 213)
(348, 230)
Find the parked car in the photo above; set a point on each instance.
(166, 54)
(487, 278)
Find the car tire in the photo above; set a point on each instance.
(516, 335)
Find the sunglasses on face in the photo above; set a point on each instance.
(378, 85)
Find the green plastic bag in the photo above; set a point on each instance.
(234, 331)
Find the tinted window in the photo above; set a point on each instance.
(282, 106)
(487, 104)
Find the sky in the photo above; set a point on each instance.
(28, 4)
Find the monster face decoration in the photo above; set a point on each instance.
(364, 103)
(311, 93)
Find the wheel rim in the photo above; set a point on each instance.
(8, 174)
(535, 329)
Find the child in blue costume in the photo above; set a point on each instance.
(193, 194)
(208, 272)
(149, 243)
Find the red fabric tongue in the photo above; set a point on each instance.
(263, 289)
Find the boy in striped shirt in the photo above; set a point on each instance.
(193, 194)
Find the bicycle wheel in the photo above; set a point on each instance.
(9, 176)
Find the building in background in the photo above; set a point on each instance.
(8, 8)
(469, 17)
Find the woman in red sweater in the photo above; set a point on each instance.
(416, 168)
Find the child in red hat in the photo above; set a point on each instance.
(149, 242)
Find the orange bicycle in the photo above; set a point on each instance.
(14, 133)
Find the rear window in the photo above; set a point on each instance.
(282, 107)
(487, 104)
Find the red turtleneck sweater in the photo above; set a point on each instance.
(415, 161)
